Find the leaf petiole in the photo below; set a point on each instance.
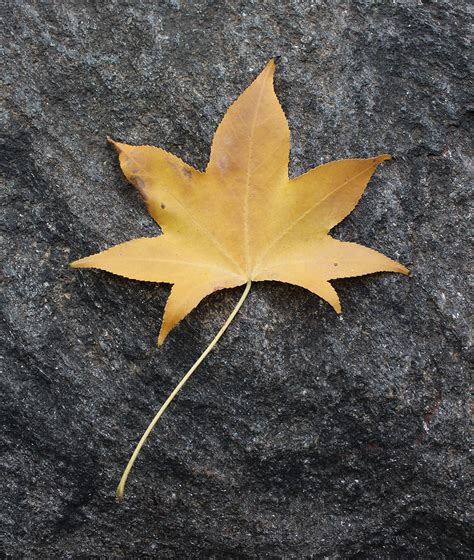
(121, 487)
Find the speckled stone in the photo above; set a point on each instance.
(304, 434)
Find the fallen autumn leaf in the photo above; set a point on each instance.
(242, 220)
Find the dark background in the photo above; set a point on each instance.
(304, 434)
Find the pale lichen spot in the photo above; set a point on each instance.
(222, 163)
(186, 172)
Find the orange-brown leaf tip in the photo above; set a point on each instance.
(119, 147)
(404, 270)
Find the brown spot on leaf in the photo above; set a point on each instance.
(139, 184)
(336, 264)
(162, 205)
(186, 172)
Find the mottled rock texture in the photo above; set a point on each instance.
(305, 434)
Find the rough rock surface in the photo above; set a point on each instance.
(304, 434)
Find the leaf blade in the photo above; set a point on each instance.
(153, 259)
(316, 201)
(185, 295)
(253, 132)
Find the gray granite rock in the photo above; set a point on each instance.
(304, 434)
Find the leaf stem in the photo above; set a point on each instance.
(121, 487)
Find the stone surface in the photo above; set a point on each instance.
(304, 434)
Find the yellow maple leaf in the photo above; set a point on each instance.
(242, 220)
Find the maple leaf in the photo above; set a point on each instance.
(242, 220)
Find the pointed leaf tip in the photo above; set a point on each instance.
(270, 66)
(75, 264)
(115, 144)
(85, 262)
(161, 338)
